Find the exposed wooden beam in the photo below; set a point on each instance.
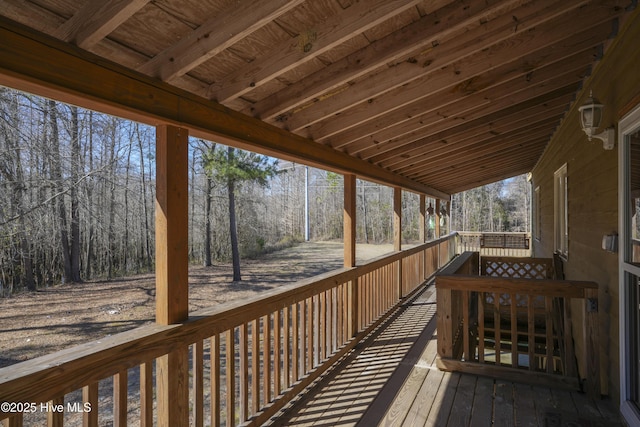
(505, 105)
(537, 141)
(356, 19)
(434, 120)
(45, 66)
(471, 137)
(422, 34)
(459, 152)
(460, 186)
(228, 27)
(464, 96)
(488, 166)
(474, 43)
(370, 99)
(97, 19)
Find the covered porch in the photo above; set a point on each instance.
(428, 97)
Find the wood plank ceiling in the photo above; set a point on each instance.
(451, 94)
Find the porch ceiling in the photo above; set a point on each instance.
(450, 94)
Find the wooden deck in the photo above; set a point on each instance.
(391, 379)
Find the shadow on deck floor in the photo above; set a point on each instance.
(391, 379)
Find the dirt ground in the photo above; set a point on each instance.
(38, 323)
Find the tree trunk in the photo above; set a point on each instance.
(233, 229)
(75, 209)
(207, 222)
(89, 193)
(56, 177)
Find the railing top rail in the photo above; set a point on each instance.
(542, 287)
(493, 233)
(514, 259)
(456, 264)
(55, 374)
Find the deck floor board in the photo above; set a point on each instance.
(391, 379)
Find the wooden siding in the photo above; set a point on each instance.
(592, 191)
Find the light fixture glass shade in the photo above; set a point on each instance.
(591, 116)
(430, 209)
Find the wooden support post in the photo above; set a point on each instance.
(397, 233)
(172, 291)
(349, 221)
(444, 319)
(349, 224)
(423, 218)
(437, 225)
(592, 343)
(423, 235)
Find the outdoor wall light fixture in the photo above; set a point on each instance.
(430, 209)
(590, 118)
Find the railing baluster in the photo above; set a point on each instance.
(120, 384)
(146, 394)
(570, 366)
(230, 369)
(514, 330)
(465, 326)
(215, 382)
(244, 372)
(15, 420)
(548, 308)
(55, 418)
(497, 328)
(255, 365)
(266, 358)
(531, 328)
(342, 307)
(481, 301)
(302, 313)
(90, 396)
(198, 379)
(330, 323)
(310, 333)
(277, 371)
(323, 326)
(295, 345)
(286, 342)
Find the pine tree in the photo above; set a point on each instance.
(233, 167)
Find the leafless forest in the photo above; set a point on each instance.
(77, 199)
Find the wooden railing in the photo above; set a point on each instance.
(515, 323)
(246, 359)
(495, 244)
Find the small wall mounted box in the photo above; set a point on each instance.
(610, 242)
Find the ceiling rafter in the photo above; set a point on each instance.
(415, 80)
(96, 20)
(356, 19)
(480, 134)
(214, 36)
(468, 152)
(422, 34)
(505, 105)
(426, 111)
(518, 100)
(447, 52)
